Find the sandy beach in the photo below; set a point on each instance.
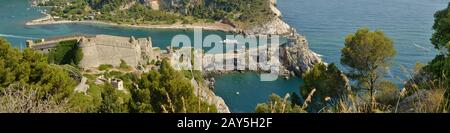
(48, 20)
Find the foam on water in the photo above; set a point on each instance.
(15, 36)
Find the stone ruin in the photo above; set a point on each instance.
(106, 49)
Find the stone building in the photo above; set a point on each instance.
(106, 49)
(117, 83)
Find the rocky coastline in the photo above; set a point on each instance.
(297, 57)
(203, 91)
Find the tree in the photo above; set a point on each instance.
(9, 60)
(439, 67)
(167, 90)
(141, 101)
(111, 102)
(31, 68)
(388, 93)
(328, 81)
(441, 26)
(67, 52)
(367, 55)
(22, 99)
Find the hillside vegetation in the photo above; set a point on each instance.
(30, 82)
(367, 56)
(242, 13)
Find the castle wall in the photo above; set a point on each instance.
(105, 49)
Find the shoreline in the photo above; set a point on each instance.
(48, 20)
(273, 28)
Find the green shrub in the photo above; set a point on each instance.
(123, 65)
(103, 67)
(387, 93)
(67, 52)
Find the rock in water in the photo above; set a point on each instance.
(296, 55)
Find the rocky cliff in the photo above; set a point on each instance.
(296, 55)
(275, 26)
(298, 58)
(203, 92)
(420, 94)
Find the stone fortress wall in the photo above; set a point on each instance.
(105, 49)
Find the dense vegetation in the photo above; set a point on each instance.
(166, 90)
(276, 104)
(31, 69)
(367, 55)
(328, 81)
(241, 12)
(29, 83)
(67, 52)
(439, 67)
(34, 82)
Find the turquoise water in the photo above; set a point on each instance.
(251, 90)
(15, 13)
(325, 23)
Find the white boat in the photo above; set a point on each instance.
(229, 41)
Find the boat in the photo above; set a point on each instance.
(237, 93)
(229, 41)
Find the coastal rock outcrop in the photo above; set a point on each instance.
(421, 94)
(204, 93)
(422, 101)
(298, 58)
(296, 55)
(275, 26)
(37, 2)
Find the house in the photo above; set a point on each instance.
(117, 83)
